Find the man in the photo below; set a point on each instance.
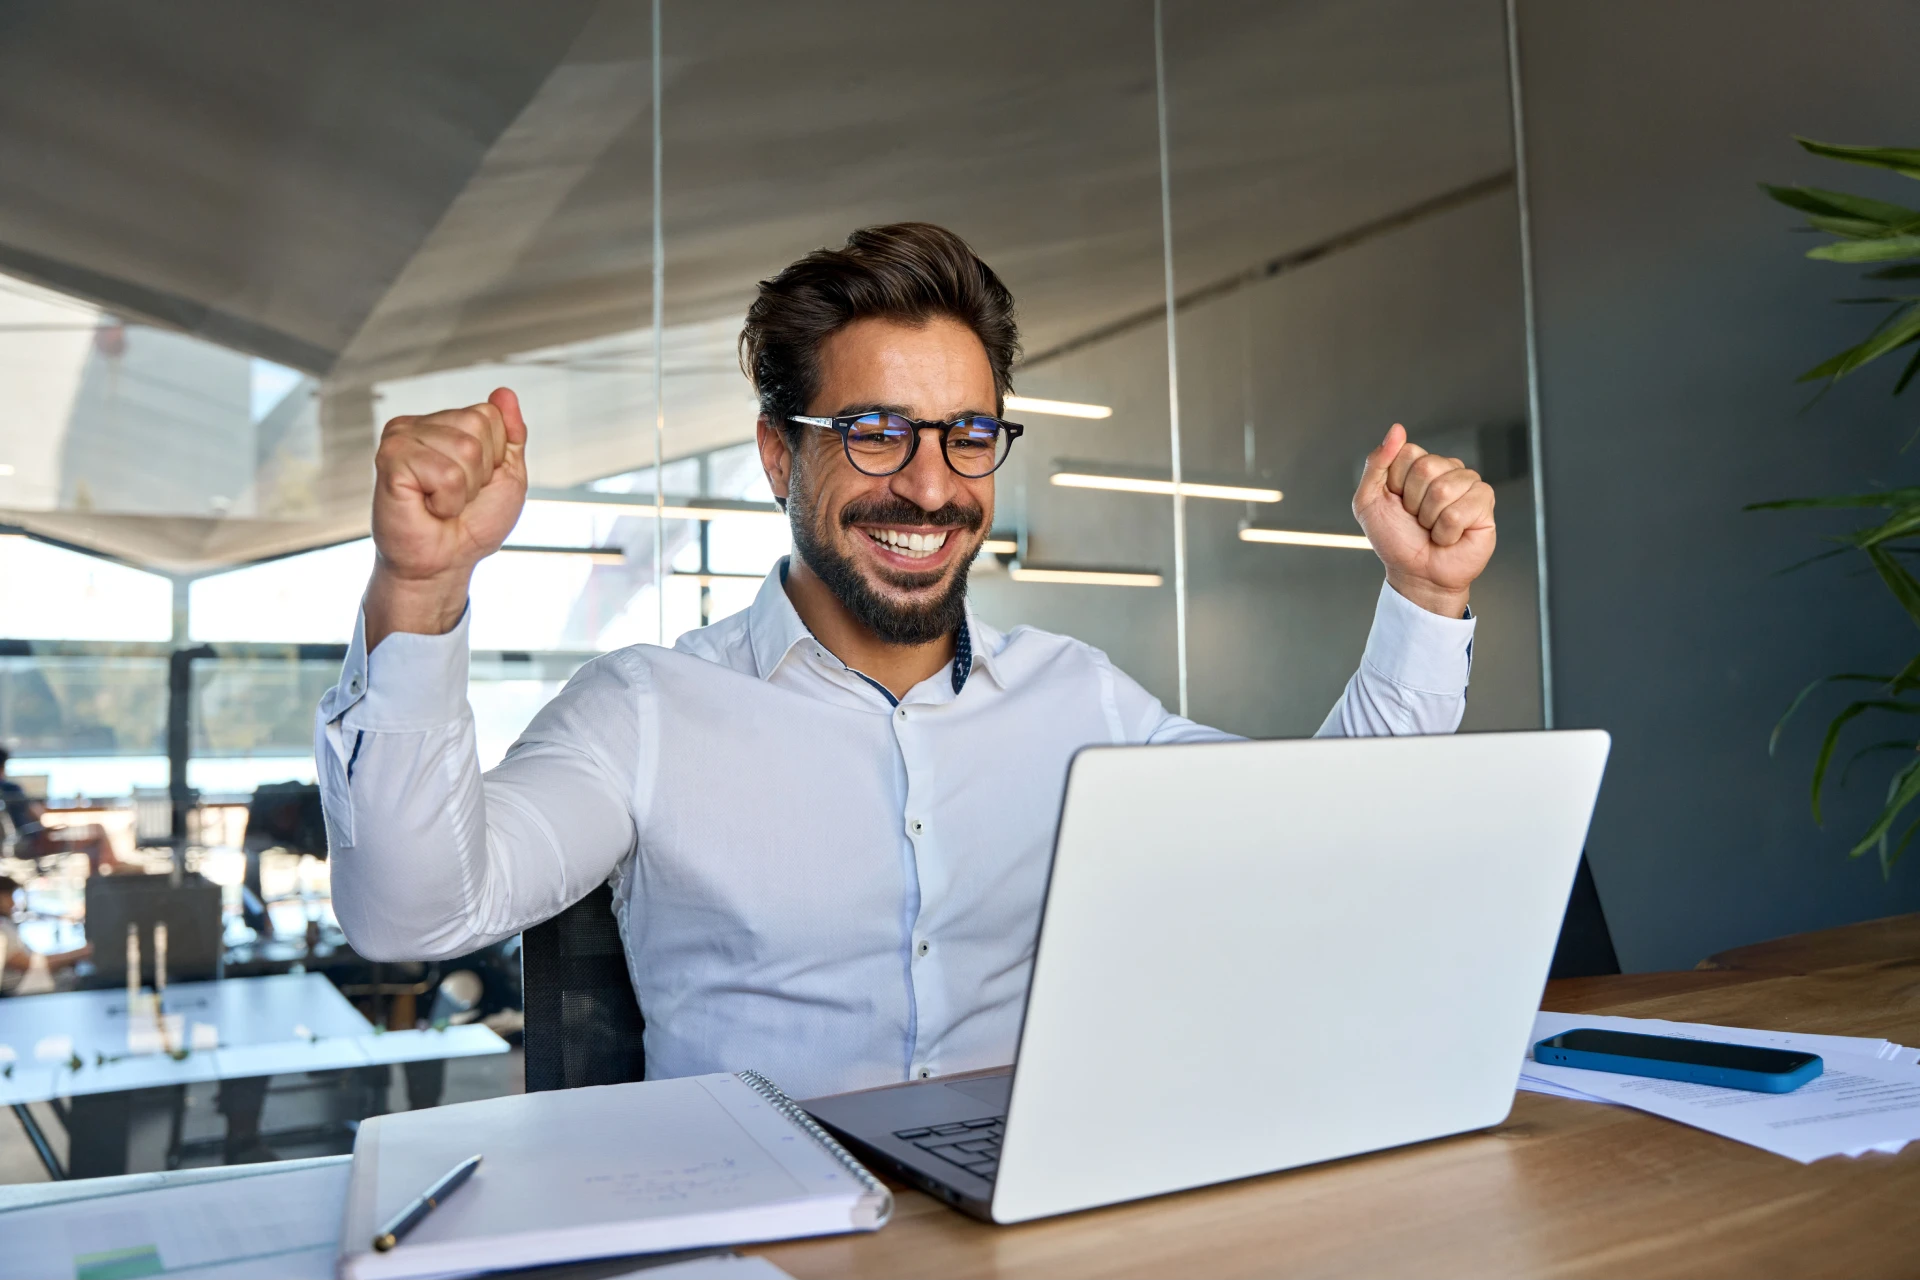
(16, 958)
(36, 840)
(828, 818)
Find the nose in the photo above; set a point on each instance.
(926, 481)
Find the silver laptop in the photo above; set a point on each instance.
(1255, 956)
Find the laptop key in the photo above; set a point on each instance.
(958, 1127)
(974, 1145)
(982, 1123)
(921, 1133)
(985, 1169)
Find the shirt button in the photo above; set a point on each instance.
(925, 1073)
(902, 713)
(916, 827)
(353, 686)
(923, 949)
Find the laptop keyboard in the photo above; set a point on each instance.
(974, 1146)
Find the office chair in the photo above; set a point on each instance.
(583, 1020)
(1585, 948)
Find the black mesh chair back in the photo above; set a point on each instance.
(1586, 944)
(583, 1021)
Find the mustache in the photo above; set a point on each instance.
(898, 511)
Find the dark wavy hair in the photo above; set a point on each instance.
(907, 271)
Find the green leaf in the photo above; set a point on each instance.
(1902, 789)
(1889, 745)
(1883, 250)
(1902, 160)
(1906, 496)
(1897, 330)
(1853, 228)
(1906, 375)
(1901, 583)
(1903, 271)
(1840, 204)
(1906, 678)
(1773, 741)
(1904, 523)
(1832, 738)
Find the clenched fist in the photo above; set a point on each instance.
(1430, 520)
(448, 489)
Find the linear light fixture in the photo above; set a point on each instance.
(671, 509)
(1304, 538)
(709, 577)
(1144, 485)
(598, 555)
(6, 469)
(1000, 547)
(1060, 408)
(1085, 577)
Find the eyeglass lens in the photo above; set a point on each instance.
(879, 443)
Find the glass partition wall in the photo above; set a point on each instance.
(1243, 237)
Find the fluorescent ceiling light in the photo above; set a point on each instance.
(1143, 485)
(598, 555)
(1086, 577)
(1304, 538)
(1062, 408)
(673, 509)
(712, 577)
(6, 469)
(1000, 547)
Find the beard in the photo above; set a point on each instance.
(893, 621)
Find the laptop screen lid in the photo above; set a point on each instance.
(1259, 955)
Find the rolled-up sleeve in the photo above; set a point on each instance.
(1412, 677)
(429, 857)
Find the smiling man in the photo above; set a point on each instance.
(827, 819)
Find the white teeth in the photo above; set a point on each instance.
(913, 546)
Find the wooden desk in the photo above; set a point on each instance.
(1560, 1189)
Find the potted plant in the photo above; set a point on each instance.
(1886, 238)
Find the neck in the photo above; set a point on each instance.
(898, 667)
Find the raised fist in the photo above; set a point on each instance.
(448, 489)
(1430, 520)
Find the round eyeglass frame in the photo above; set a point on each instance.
(844, 423)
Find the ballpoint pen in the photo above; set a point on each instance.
(405, 1221)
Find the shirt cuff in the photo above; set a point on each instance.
(410, 682)
(1417, 648)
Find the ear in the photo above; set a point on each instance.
(776, 457)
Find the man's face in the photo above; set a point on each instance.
(6, 905)
(851, 528)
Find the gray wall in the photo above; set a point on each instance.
(1674, 311)
(1421, 326)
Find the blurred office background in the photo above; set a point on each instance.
(235, 239)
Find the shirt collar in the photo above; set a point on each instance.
(774, 628)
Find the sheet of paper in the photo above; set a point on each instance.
(275, 1224)
(711, 1267)
(1858, 1103)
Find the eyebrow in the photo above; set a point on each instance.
(868, 407)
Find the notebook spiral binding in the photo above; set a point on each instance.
(786, 1107)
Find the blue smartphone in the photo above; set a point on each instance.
(1674, 1058)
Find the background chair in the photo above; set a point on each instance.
(1586, 944)
(583, 1020)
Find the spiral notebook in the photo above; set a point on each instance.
(602, 1171)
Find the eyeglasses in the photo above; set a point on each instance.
(880, 444)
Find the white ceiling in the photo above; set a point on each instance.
(388, 194)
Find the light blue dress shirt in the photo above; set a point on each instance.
(812, 879)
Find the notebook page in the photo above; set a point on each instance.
(577, 1158)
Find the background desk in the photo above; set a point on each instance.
(265, 1026)
(1562, 1188)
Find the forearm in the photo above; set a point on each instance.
(431, 606)
(430, 859)
(1412, 678)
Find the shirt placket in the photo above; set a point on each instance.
(926, 966)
